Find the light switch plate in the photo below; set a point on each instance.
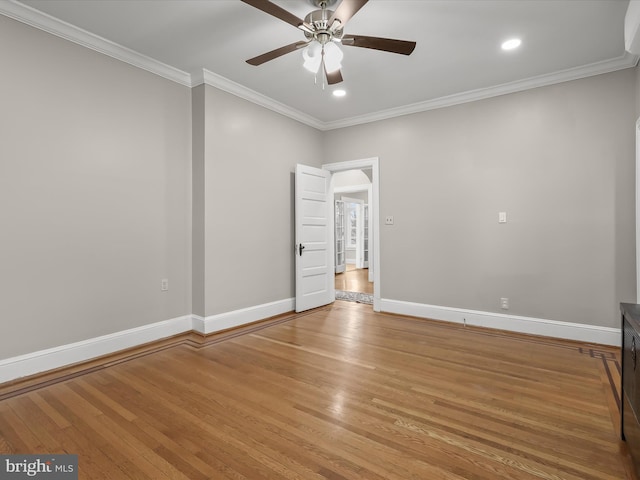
(502, 217)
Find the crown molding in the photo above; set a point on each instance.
(223, 83)
(35, 18)
(626, 60)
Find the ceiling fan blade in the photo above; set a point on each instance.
(334, 77)
(376, 43)
(272, 9)
(278, 52)
(346, 10)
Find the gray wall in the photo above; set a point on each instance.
(637, 70)
(100, 202)
(94, 193)
(559, 160)
(198, 200)
(249, 159)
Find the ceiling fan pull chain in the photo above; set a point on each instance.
(323, 68)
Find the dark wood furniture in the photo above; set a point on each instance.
(630, 395)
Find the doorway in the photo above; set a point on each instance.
(351, 231)
(355, 184)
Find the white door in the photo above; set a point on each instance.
(314, 221)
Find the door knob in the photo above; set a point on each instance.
(301, 247)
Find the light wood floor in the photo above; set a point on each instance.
(337, 393)
(354, 280)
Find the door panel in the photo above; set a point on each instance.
(314, 268)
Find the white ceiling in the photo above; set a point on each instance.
(457, 58)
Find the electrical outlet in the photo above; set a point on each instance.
(504, 303)
(388, 220)
(164, 284)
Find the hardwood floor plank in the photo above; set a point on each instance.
(51, 412)
(98, 456)
(273, 417)
(21, 437)
(337, 393)
(542, 442)
(207, 424)
(354, 280)
(261, 389)
(104, 401)
(38, 423)
(262, 419)
(430, 452)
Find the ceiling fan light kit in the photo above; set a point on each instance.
(332, 57)
(312, 57)
(323, 29)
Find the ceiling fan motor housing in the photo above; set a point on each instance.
(322, 30)
(323, 3)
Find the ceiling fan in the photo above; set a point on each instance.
(323, 28)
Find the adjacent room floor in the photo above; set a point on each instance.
(354, 280)
(339, 392)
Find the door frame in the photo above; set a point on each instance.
(637, 210)
(372, 163)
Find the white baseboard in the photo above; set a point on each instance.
(236, 318)
(513, 323)
(65, 355)
(52, 358)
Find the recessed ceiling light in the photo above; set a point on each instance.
(511, 44)
(339, 93)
